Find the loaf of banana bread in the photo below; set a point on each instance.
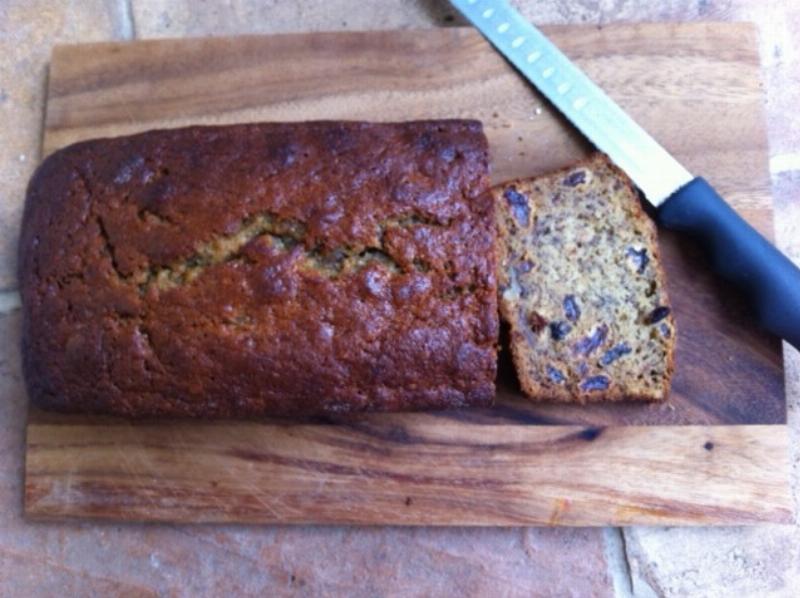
(582, 288)
(290, 269)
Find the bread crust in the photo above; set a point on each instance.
(274, 269)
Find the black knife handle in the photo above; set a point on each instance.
(739, 254)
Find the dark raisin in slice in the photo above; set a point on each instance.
(536, 321)
(524, 267)
(575, 178)
(555, 375)
(558, 330)
(639, 258)
(542, 228)
(519, 205)
(589, 343)
(615, 353)
(657, 314)
(596, 383)
(571, 309)
(665, 331)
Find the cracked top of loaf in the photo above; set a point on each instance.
(264, 269)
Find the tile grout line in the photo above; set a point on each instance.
(619, 568)
(129, 23)
(123, 25)
(43, 113)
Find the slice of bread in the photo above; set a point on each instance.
(581, 287)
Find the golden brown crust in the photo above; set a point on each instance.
(541, 336)
(267, 269)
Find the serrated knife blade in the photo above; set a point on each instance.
(684, 203)
(657, 174)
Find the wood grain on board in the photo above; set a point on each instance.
(411, 470)
(694, 86)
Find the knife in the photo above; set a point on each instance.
(683, 202)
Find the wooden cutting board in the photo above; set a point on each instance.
(715, 453)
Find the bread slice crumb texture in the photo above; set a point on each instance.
(582, 288)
